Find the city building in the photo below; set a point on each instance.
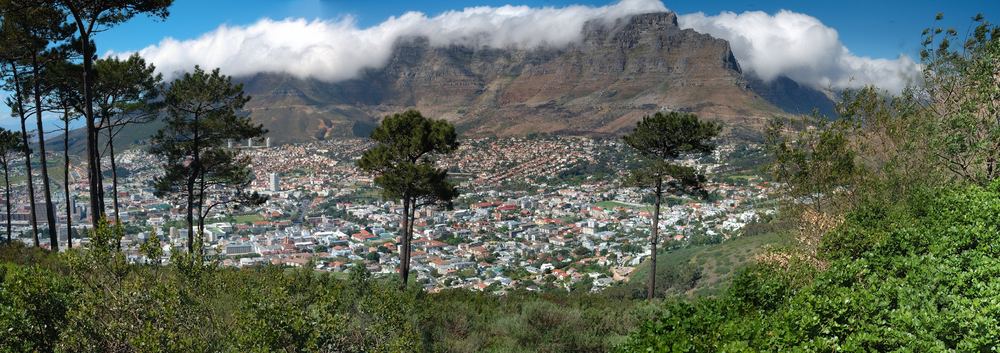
(275, 183)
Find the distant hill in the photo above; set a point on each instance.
(792, 97)
(130, 136)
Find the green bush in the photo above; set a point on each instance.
(918, 276)
(33, 305)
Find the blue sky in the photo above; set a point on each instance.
(870, 28)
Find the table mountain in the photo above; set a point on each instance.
(620, 71)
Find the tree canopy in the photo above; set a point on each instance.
(203, 113)
(659, 140)
(402, 161)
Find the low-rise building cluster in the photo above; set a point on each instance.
(559, 231)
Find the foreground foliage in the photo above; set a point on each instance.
(93, 301)
(918, 275)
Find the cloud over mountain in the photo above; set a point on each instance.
(801, 47)
(786, 43)
(334, 50)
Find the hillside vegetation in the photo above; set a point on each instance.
(918, 275)
(706, 269)
(899, 208)
(93, 301)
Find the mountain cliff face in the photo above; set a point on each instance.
(620, 71)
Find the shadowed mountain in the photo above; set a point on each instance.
(792, 97)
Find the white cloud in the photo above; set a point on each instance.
(786, 43)
(338, 49)
(801, 47)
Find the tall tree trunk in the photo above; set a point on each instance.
(114, 182)
(93, 166)
(6, 184)
(195, 171)
(190, 213)
(50, 212)
(413, 216)
(96, 211)
(114, 174)
(18, 90)
(99, 174)
(404, 253)
(99, 170)
(409, 230)
(93, 172)
(651, 289)
(30, 181)
(69, 205)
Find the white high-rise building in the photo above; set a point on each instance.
(267, 142)
(210, 236)
(275, 183)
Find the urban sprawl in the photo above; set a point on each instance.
(535, 212)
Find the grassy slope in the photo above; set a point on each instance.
(615, 204)
(717, 262)
(247, 219)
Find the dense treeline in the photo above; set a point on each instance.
(49, 66)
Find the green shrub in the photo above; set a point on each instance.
(33, 305)
(917, 276)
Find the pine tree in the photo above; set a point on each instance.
(203, 112)
(125, 93)
(90, 17)
(65, 99)
(43, 35)
(659, 140)
(403, 165)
